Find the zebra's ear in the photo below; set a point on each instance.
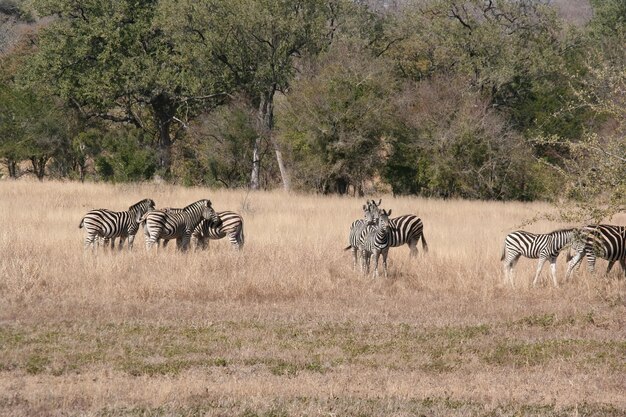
(380, 200)
(365, 207)
(389, 212)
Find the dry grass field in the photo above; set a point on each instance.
(286, 328)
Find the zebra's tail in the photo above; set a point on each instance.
(424, 244)
(241, 237)
(503, 252)
(82, 221)
(348, 247)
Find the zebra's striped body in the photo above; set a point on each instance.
(231, 226)
(106, 224)
(179, 226)
(358, 229)
(407, 229)
(376, 242)
(535, 246)
(602, 241)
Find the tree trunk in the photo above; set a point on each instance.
(39, 166)
(266, 121)
(12, 168)
(164, 110)
(256, 164)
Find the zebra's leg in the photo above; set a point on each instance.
(354, 257)
(539, 268)
(184, 242)
(375, 255)
(385, 253)
(622, 262)
(572, 264)
(608, 268)
(509, 264)
(121, 243)
(131, 240)
(553, 271)
(412, 248)
(591, 261)
(166, 241)
(90, 241)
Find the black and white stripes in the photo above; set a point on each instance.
(376, 242)
(535, 246)
(106, 224)
(600, 241)
(231, 225)
(178, 225)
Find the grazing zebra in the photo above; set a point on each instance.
(231, 226)
(602, 241)
(106, 224)
(407, 229)
(535, 246)
(179, 226)
(377, 242)
(357, 229)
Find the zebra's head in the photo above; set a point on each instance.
(142, 207)
(577, 243)
(210, 215)
(383, 220)
(371, 211)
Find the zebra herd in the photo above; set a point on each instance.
(370, 236)
(593, 241)
(197, 222)
(375, 233)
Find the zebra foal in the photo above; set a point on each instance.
(535, 246)
(177, 225)
(108, 224)
(599, 241)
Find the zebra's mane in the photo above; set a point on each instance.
(197, 204)
(566, 229)
(141, 203)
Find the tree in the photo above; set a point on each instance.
(336, 120)
(451, 143)
(595, 176)
(256, 43)
(114, 61)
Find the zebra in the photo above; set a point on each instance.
(407, 229)
(377, 242)
(231, 226)
(106, 224)
(535, 246)
(179, 226)
(357, 228)
(599, 241)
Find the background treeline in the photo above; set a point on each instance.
(483, 99)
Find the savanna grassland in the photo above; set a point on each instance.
(286, 327)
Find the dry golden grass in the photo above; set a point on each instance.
(286, 327)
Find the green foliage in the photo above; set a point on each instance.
(336, 121)
(218, 149)
(126, 157)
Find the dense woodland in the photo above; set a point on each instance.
(480, 99)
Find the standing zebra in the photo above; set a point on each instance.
(602, 241)
(535, 246)
(107, 224)
(357, 229)
(377, 242)
(407, 229)
(179, 226)
(231, 226)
